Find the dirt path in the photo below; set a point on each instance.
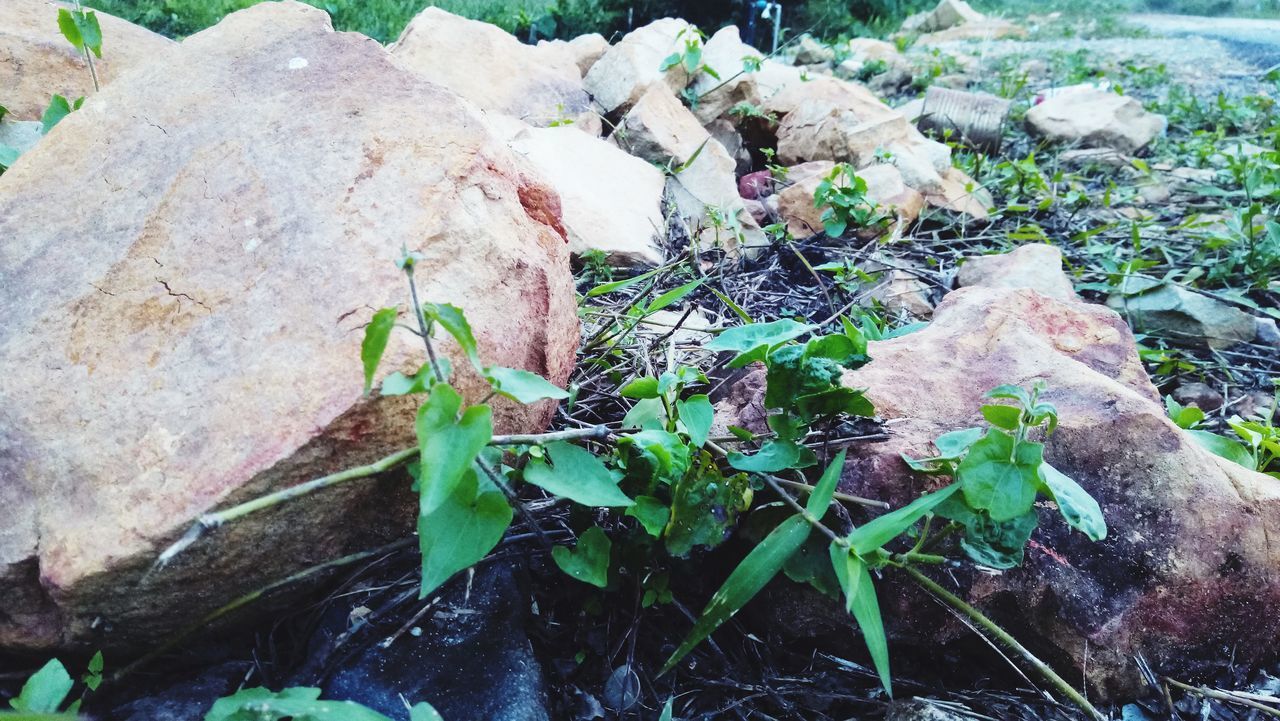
(1254, 41)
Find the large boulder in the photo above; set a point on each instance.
(946, 14)
(490, 67)
(1187, 577)
(1097, 119)
(36, 62)
(583, 50)
(623, 223)
(661, 130)
(734, 62)
(626, 70)
(186, 334)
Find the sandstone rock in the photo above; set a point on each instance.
(36, 62)
(884, 188)
(961, 194)
(902, 295)
(662, 131)
(1037, 266)
(1095, 118)
(1186, 569)
(725, 53)
(1200, 395)
(623, 222)
(946, 14)
(981, 31)
(1180, 315)
(625, 72)
(490, 67)
(200, 345)
(724, 132)
(583, 50)
(877, 62)
(809, 51)
(1267, 333)
(829, 119)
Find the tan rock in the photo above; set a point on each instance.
(36, 62)
(810, 51)
(583, 50)
(884, 188)
(624, 222)
(490, 67)
(625, 72)
(946, 14)
(200, 345)
(1186, 569)
(662, 131)
(725, 133)
(983, 31)
(725, 53)
(1097, 119)
(962, 194)
(1037, 266)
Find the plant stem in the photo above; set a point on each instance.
(211, 521)
(1223, 696)
(1004, 637)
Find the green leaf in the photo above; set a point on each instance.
(620, 284)
(647, 413)
(757, 569)
(737, 309)
(1224, 447)
(8, 156)
(652, 514)
(995, 544)
(448, 444)
(955, 443)
(589, 562)
(1079, 508)
(399, 384)
(995, 478)
(882, 529)
(705, 505)
(772, 457)
(374, 344)
(820, 497)
(424, 711)
(673, 296)
(643, 387)
(577, 474)
(461, 531)
(45, 691)
(697, 414)
(523, 386)
(296, 704)
(451, 318)
(1006, 417)
(1017, 393)
(90, 31)
(667, 710)
(58, 109)
(861, 601)
(750, 340)
(70, 30)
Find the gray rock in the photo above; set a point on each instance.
(1267, 332)
(1180, 315)
(1200, 395)
(926, 710)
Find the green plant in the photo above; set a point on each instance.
(47, 690)
(1258, 444)
(689, 59)
(300, 704)
(847, 206)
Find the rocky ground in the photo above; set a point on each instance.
(1111, 232)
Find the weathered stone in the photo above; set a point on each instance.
(1267, 332)
(884, 188)
(724, 132)
(1200, 395)
(1095, 118)
(625, 72)
(961, 194)
(490, 67)
(1179, 315)
(200, 344)
(661, 130)
(946, 14)
(623, 222)
(36, 62)
(925, 710)
(583, 50)
(829, 119)
(1186, 569)
(981, 31)
(726, 54)
(809, 51)
(1084, 157)
(1037, 266)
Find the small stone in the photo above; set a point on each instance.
(1037, 266)
(1200, 395)
(1095, 118)
(1267, 332)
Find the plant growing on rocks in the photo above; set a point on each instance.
(847, 206)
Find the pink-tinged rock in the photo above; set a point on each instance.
(754, 186)
(885, 190)
(490, 67)
(36, 62)
(182, 331)
(1187, 575)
